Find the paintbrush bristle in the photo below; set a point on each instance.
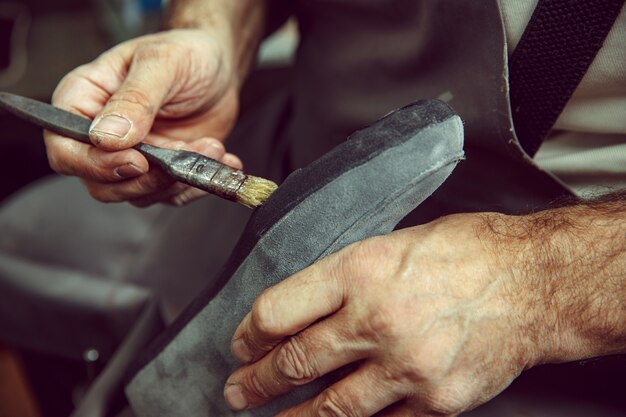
(255, 191)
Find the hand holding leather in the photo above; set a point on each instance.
(433, 315)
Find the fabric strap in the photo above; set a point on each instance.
(554, 53)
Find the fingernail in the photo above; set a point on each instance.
(111, 126)
(234, 397)
(241, 351)
(128, 171)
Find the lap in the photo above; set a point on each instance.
(174, 252)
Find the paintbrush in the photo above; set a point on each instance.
(188, 167)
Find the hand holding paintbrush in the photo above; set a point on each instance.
(176, 89)
(188, 167)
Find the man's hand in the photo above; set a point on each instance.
(172, 89)
(436, 319)
(176, 89)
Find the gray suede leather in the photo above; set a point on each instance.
(405, 165)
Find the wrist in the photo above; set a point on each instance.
(568, 267)
(507, 241)
(238, 26)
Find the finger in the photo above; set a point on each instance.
(161, 196)
(287, 308)
(129, 113)
(87, 88)
(80, 94)
(186, 197)
(232, 160)
(404, 409)
(178, 194)
(302, 358)
(361, 394)
(399, 409)
(132, 189)
(70, 157)
(156, 186)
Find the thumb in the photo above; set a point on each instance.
(128, 115)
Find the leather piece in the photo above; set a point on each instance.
(400, 161)
(359, 58)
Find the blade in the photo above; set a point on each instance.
(49, 117)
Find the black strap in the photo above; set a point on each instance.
(554, 53)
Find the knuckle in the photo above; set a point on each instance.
(209, 146)
(187, 195)
(433, 359)
(73, 76)
(255, 386)
(56, 165)
(257, 346)
(444, 400)
(367, 260)
(178, 145)
(262, 315)
(93, 172)
(60, 160)
(91, 169)
(331, 404)
(179, 200)
(416, 371)
(134, 96)
(98, 192)
(383, 324)
(60, 89)
(152, 182)
(353, 262)
(155, 50)
(419, 369)
(294, 362)
(378, 246)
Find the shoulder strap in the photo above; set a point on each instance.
(554, 53)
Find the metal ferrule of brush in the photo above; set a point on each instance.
(197, 170)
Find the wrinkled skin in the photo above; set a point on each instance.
(173, 89)
(434, 315)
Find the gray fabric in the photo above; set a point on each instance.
(57, 295)
(187, 377)
(75, 273)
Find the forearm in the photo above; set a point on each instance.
(241, 25)
(586, 264)
(573, 262)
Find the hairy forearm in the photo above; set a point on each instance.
(585, 264)
(240, 25)
(572, 261)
